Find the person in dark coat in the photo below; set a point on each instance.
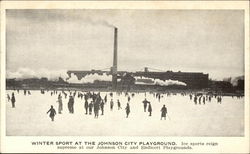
(60, 104)
(129, 98)
(145, 102)
(71, 104)
(52, 112)
(90, 107)
(8, 97)
(200, 99)
(119, 104)
(111, 104)
(150, 109)
(195, 99)
(163, 112)
(105, 99)
(127, 110)
(13, 100)
(96, 109)
(86, 105)
(102, 106)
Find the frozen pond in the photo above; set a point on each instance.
(186, 119)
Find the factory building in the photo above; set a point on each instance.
(192, 80)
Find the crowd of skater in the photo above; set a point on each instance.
(95, 104)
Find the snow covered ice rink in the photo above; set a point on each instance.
(29, 118)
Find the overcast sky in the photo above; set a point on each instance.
(201, 41)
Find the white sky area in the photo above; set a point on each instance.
(179, 40)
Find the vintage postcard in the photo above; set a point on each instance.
(125, 76)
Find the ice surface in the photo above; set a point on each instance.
(186, 119)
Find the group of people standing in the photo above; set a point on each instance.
(12, 99)
(94, 103)
(204, 98)
(97, 103)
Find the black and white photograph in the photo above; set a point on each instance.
(124, 72)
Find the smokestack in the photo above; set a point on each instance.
(114, 68)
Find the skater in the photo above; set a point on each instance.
(159, 97)
(52, 113)
(127, 110)
(209, 98)
(86, 105)
(200, 100)
(149, 109)
(129, 98)
(132, 94)
(163, 112)
(102, 107)
(190, 97)
(96, 109)
(119, 104)
(71, 104)
(90, 107)
(60, 104)
(8, 97)
(105, 99)
(195, 100)
(145, 102)
(13, 100)
(111, 104)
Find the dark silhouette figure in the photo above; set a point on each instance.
(159, 97)
(209, 98)
(190, 97)
(145, 102)
(119, 104)
(150, 109)
(105, 99)
(90, 107)
(129, 98)
(60, 104)
(163, 112)
(52, 112)
(127, 110)
(102, 107)
(71, 104)
(13, 100)
(200, 100)
(195, 100)
(96, 109)
(111, 104)
(86, 105)
(8, 97)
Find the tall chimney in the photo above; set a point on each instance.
(114, 68)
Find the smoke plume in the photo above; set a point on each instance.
(89, 78)
(150, 81)
(98, 22)
(234, 80)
